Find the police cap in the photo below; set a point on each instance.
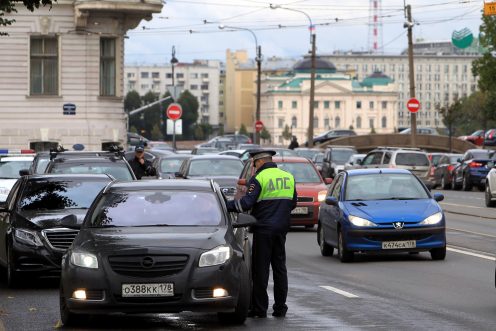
(261, 153)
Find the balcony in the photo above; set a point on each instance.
(131, 11)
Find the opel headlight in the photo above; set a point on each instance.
(216, 256)
(85, 260)
(28, 237)
(433, 219)
(322, 195)
(358, 221)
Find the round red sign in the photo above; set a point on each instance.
(259, 126)
(174, 111)
(413, 105)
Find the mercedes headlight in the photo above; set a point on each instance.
(27, 237)
(358, 221)
(85, 260)
(322, 195)
(216, 256)
(433, 219)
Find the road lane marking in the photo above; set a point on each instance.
(486, 257)
(338, 291)
(471, 232)
(458, 205)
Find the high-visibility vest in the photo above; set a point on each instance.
(276, 184)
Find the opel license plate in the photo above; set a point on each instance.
(300, 211)
(399, 244)
(148, 290)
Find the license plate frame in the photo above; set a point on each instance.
(402, 244)
(300, 211)
(147, 290)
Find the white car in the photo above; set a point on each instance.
(354, 161)
(491, 185)
(9, 172)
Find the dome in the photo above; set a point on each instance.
(321, 65)
(377, 78)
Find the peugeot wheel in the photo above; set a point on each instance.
(325, 249)
(489, 198)
(438, 254)
(454, 185)
(466, 184)
(343, 254)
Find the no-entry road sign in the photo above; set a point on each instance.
(174, 111)
(413, 105)
(259, 126)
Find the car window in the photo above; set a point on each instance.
(412, 159)
(248, 170)
(384, 187)
(215, 167)
(337, 187)
(41, 166)
(150, 208)
(435, 159)
(170, 165)
(374, 158)
(118, 170)
(480, 155)
(10, 169)
(387, 158)
(11, 198)
(302, 172)
(340, 156)
(63, 194)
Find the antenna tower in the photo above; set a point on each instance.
(375, 44)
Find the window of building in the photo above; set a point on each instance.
(204, 86)
(294, 104)
(337, 122)
(145, 74)
(359, 105)
(294, 122)
(371, 123)
(315, 104)
(337, 104)
(204, 75)
(193, 75)
(193, 87)
(384, 104)
(44, 66)
(130, 74)
(315, 122)
(168, 75)
(155, 74)
(384, 122)
(446, 68)
(327, 104)
(144, 86)
(179, 75)
(279, 104)
(280, 140)
(371, 104)
(326, 122)
(107, 67)
(280, 122)
(359, 122)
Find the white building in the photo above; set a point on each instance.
(201, 78)
(340, 102)
(72, 55)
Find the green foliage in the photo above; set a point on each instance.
(242, 130)
(132, 101)
(133, 129)
(221, 129)
(198, 133)
(286, 134)
(156, 133)
(151, 116)
(452, 114)
(8, 7)
(265, 135)
(190, 105)
(351, 127)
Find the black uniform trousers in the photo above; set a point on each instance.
(269, 250)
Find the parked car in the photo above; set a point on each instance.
(32, 239)
(247, 146)
(309, 153)
(223, 169)
(168, 165)
(490, 137)
(161, 145)
(476, 138)
(283, 152)
(412, 159)
(426, 130)
(490, 195)
(332, 134)
(380, 210)
(434, 159)
(354, 161)
(233, 152)
(160, 246)
(310, 187)
(204, 150)
(443, 173)
(334, 159)
(318, 160)
(238, 138)
(471, 170)
(10, 171)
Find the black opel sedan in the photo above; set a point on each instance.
(32, 240)
(158, 247)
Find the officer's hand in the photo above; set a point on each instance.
(141, 160)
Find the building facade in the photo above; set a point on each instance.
(341, 102)
(61, 73)
(201, 78)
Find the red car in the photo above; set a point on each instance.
(310, 186)
(476, 138)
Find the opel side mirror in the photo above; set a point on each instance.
(23, 172)
(244, 220)
(331, 201)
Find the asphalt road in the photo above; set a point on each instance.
(376, 292)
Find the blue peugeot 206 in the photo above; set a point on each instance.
(380, 210)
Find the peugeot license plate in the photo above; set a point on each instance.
(148, 290)
(300, 211)
(399, 244)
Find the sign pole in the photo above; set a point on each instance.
(413, 115)
(174, 134)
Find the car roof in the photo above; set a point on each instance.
(175, 156)
(214, 157)
(358, 172)
(95, 159)
(290, 159)
(477, 150)
(69, 176)
(16, 158)
(178, 184)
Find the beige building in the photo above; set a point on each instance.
(240, 86)
(340, 102)
(61, 73)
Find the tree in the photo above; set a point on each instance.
(163, 114)
(190, 105)
(156, 133)
(265, 135)
(132, 101)
(133, 129)
(242, 130)
(8, 7)
(286, 134)
(221, 129)
(151, 115)
(198, 132)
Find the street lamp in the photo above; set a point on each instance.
(173, 61)
(312, 70)
(258, 59)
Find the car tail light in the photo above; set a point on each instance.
(475, 164)
(27, 151)
(432, 171)
(491, 135)
(450, 168)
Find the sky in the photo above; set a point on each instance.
(192, 27)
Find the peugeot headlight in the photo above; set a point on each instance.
(433, 219)
(27, 237)
(216, 256)
(322, 195)
(358, 221)
(85, 260)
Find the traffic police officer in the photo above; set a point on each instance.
(141, 167)
(271, 196)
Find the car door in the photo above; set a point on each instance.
(333, 213)
(5, 219)
(463, 166)
(326, 164)
(246, 174)
(441, 168)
